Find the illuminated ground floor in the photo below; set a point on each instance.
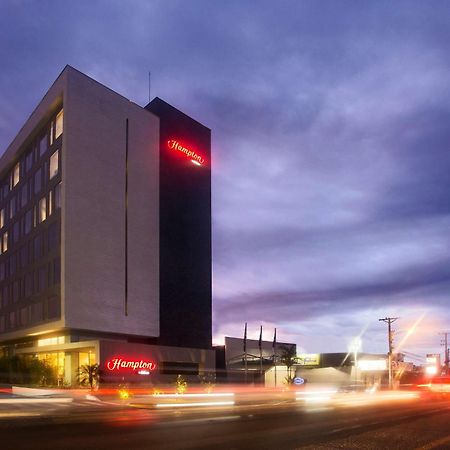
(119, 361)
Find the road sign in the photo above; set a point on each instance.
(298, 381)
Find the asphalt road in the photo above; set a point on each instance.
(412, 424)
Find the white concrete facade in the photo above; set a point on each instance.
(93, 157)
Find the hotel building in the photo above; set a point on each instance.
(105, 232)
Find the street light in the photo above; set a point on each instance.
(355, 347)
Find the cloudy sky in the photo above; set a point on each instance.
(331, 146)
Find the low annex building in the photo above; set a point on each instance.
(105, 235)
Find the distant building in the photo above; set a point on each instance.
(105, 232)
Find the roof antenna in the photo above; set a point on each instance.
(149, 86)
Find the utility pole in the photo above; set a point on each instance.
(390, 321)
(444, 342)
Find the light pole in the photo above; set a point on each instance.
(355, 347)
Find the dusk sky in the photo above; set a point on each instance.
(331, 147)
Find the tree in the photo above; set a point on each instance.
(88, 375)
(288, 357)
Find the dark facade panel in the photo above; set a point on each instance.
(185, 228)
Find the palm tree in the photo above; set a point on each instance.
(88, 374)
(288, 357)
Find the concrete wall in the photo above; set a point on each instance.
(93, 211)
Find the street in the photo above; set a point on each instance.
(348, 422)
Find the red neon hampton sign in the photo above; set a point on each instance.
(175, 145)
(120, 364)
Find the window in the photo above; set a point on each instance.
(12, 264)
(58, 196)
(2, 271)
(37, 312)
(16, 174)
(24, 256)
(59, 124)
(16, 232)
(42, 209)
(5, 242)
(52, 129)
(54, 164)
(24, 195)
(42, 279)
(37, 181)
(50, 203)
(29, 161)
(5, 295)
(42, 145)
(2, 218)
(57, 271)
(24, 316)
(12, 207)
(37, 247)
(53, 308)
(53, 236)
(15, 291)
(28, 221)
(28, 281)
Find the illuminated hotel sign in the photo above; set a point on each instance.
(123, 364)
(310, 359)
(175, 145)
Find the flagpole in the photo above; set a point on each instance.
(245, 351)
(274, 355)
(260, 355)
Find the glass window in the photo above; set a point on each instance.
(38, 181)
(28, 280)
(53, 236)
(53, 165)
(28, 221)
(57, 271)
(2, 271)
(5, 294)
(24, 256)
(24, 316)
(16, 232)
(42, 278)
(58, 196)
(2, 218)
(29, 161)
(12, 264)
(5, 242)
(37, 312)
(15, 291)
(12, 207)
(43, 145)
(24, 195)
(37, 247)
(42, 209)
(12, 320)
(53, 307)
(16, 174)
(50, 203)
(52, 129)
(59, 124)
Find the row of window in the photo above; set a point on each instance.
(31, 251)
(32, 187)
(32, 218)
(50, 309)
(39, 148)
(33, 282)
